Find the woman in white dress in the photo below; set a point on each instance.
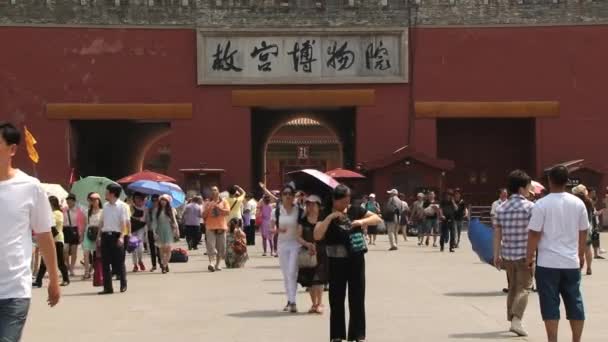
(93, 222)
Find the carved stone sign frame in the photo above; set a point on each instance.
(280, 56)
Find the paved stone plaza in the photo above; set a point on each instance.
(414, 294)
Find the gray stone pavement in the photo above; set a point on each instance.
(413, 294)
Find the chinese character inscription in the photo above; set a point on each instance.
(284, 58)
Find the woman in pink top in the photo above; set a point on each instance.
(266, 226)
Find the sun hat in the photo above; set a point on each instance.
(372, 195)
(166, 198)
(313, 199)
(580, 190)
(393, 192)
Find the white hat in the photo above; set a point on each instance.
(393, 192)
(166, 198)
(314, 199)
(420, 194)
(372, 195)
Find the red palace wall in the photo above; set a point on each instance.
(50, 65)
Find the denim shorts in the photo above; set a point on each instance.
(13, 313)
(553, 282)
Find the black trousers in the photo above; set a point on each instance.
(192, 233)
(448, 233)
(250, 234)
(113, 259)
(60, 262)
(154, 251)
(347, 272)
(459, 224)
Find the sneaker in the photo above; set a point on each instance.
(153, 269)
(218, 268)
(599, 257)
(135, 269)
(264, 254)
(293, 308)
(393, 249)
(142, 266)
(505, 290)
(287, 307)
(451, 250)
(211, 268)
(517, 327)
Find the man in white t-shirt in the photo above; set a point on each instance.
(249, 211)
(503, 196)
(558, 230)
(24, 208)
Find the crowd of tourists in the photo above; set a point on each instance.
(320, 241)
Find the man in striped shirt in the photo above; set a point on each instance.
(510, 247)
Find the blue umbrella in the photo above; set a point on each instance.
(176, 193)
(482, 240)
(160, 188)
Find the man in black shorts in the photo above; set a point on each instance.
(558, 230)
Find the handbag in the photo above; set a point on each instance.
(306, 260)
(54, 231)
(70, 232)
(356, 242)
(92, 233)
(179, 255)
(258, 217)
(238, 247)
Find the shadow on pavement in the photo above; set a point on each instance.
(84, 294)
(492, 335)
(268, 267)
(263, 314)
(475, 294)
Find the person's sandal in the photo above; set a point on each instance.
(319, 310)
(589, 272)
(313, 309)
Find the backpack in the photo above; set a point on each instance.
(390, 211)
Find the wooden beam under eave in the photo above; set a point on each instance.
(303, 98)
(511, 109)
(119, 111)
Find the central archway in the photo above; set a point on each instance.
(280, 135)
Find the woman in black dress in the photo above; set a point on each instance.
(314, 278)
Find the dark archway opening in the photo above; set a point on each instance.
(266, 122)
(112, 148)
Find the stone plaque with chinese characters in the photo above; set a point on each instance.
(296, 57)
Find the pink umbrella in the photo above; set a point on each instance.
(537, 187)
(344, 174)
(313, 181)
